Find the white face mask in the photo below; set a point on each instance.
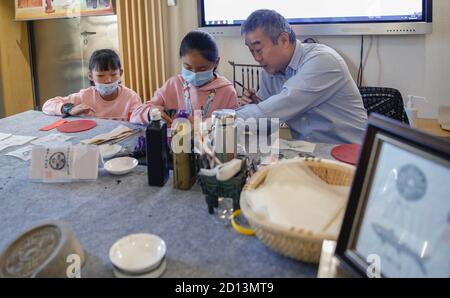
(106, 89)
(197, 78)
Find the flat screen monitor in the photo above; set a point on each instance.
(323, 17)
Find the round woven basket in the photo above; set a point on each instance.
(298, 244)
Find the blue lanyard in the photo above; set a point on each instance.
(187, 100)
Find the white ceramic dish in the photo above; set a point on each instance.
(157, 272)
(138, 253)
(108, 151)
(121, 165)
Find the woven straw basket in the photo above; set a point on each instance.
(295, 243)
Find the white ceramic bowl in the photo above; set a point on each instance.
(108, 151)
(157, 272)
(121, 165)
(138, 253)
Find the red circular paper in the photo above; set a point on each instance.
(348, 153)
(77, 126)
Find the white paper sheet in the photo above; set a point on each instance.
(15, 141)
(4, 136)
(51, 139)
(293, 196)
(23, 153)
(300, 146)
(66, 163)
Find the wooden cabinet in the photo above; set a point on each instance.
(16, 93)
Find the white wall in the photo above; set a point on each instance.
(414, 64)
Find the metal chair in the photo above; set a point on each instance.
(385, 101)
(245, 76)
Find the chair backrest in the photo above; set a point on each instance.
(385, 101)
(245, 76)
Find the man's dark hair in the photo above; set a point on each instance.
(201, 42)
(271, 23)
(104, 60)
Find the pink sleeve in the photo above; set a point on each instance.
(136, 102)
(140, 114)
(53, 106)
(232, 100)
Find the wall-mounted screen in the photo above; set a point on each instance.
(323, 17)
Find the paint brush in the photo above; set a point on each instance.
(245, 88)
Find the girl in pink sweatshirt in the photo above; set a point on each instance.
(198, 87)
(107, 99)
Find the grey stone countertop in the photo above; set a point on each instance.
(101, 212)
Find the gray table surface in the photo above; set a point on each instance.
(101, 212)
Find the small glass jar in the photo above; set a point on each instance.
(224, 134)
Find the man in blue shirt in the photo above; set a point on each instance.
(308, 86)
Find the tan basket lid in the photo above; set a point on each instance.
(41, 251)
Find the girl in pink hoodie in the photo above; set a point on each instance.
(198, 87)
(108, 99)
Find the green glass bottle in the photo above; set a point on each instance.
(184, 166)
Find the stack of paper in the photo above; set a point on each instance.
(118, 133)
(4, 136)
(300, 146)
(293, 196)
(64, 163)
(12, 141)
(52, 139)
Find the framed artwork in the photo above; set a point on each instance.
(50, 9)
(397, 222)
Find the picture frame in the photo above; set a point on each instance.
(397, 221)
(26, 10)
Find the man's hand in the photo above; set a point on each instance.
(249, 97)
(80, 110)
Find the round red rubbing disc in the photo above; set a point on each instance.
(348, 153)
(77, 126)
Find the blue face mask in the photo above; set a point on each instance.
(197, 79)
(107, 89)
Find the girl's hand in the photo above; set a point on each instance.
(164, 115)
(81, 109)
